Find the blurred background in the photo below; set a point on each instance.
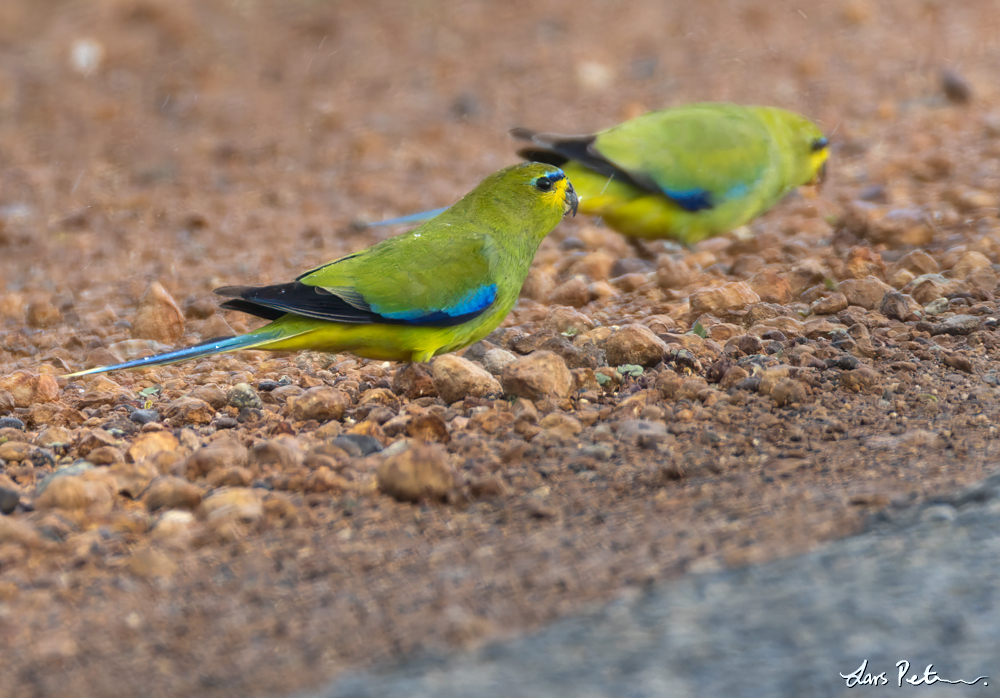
(197, 141)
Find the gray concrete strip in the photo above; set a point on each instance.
(920, 586)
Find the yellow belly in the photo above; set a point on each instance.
(639, 213)
(380, 342)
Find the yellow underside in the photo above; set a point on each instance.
(644, 215)
(380, 342)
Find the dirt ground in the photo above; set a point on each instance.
(237, 543)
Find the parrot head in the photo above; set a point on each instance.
(555, 180)
(803, 147)
(813, 150)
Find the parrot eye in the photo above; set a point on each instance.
(545, 183)
(818, 144)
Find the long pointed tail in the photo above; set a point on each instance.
(212, 346)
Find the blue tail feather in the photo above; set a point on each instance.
(212, 346)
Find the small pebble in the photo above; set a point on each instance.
(321, 403)
(540, 374)
(358, 444)
(144, 416)
(9, 500)
(189, 410)
(728, 296)
(242, 395)
(172, 493)
(158, 317)
(636, 345)
(420, 472)
(496, 360)
(955, 87)
(456, 378)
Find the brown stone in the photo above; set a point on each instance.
(414, 381)
(158, 317)
(151, 443)
(220, 454)
(861, 380)
(133, 478)
(428, 426)
(210, 393)
(321, 403)
(731, 296)
(672, 272)
(420, 472)
(771, 287)
(829, 305)
(73, 492)
(456, 378)
(172, 493)
(538, 375)
(930, 287)
(788, 391)
(189, 410)
(92, 439)
(27, 389)
(862, 262)
(232, 505)
(867, 292)
(42, 314)
(15, 451)
(572, 292)
(282, 451)
(634, 344)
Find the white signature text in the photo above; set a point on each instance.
(862, 677)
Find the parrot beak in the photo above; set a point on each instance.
(572, 200)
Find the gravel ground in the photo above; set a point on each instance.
(919, 587)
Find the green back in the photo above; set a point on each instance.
(726, 149)
(488, 237)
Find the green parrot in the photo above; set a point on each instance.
(432, 290)
(686, 173)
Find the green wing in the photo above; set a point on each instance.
(434, 275)
(699, 156)
(426, 277)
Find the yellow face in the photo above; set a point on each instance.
(804, 150)
(817, 159)
(554, 185)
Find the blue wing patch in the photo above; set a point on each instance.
(466, 307)
(691, 200)
(694, 200)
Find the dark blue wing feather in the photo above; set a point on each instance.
(347, 305)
